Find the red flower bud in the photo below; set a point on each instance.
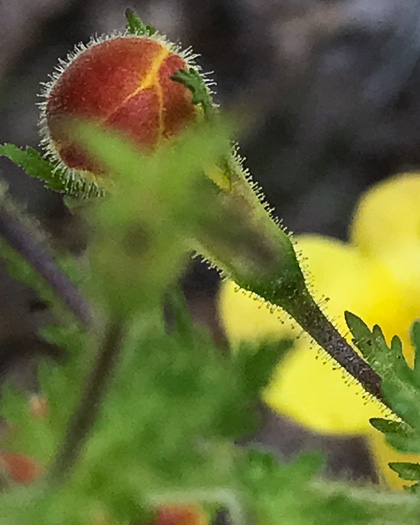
(123, 83)
(180, 515)
(21, 468)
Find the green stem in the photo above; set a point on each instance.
(90, 404)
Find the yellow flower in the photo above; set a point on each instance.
(376, 276)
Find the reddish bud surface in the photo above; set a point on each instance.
(180, 515)
(123, 83)
(19, 467)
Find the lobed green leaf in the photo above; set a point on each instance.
(52, 176)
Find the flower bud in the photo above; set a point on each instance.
(180, 515)
(20, 468)
(123, 83)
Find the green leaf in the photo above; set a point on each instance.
(178, 314)
(134, 167)
(380, 343)
(362, 336)
(52, 176)
(387, 426)
(398, 434)
(258, 364)
(403, 396)
(412, 489)
(408, 471)
(201, 95)
(387, 361)
(415, 339)
(279, 493)
(357, 326)
(399, 384)
(156, 209)
(34, 165)
(136, 26)
(396, 347)
(404, 444)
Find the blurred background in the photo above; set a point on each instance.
(331, 93)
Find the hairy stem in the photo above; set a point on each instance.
(87, 412)
(308, 314)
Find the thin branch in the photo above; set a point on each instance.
(87, 412)
(21, 240)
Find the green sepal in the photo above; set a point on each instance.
(52, 176)
(136, 26)
(201, 95)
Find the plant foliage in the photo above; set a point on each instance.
(401, 386)
(52, 176)
(145, 411)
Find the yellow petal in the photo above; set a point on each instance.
(386, 225)
(388, 215)
(246, 317)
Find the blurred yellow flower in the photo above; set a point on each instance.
(376, 275)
